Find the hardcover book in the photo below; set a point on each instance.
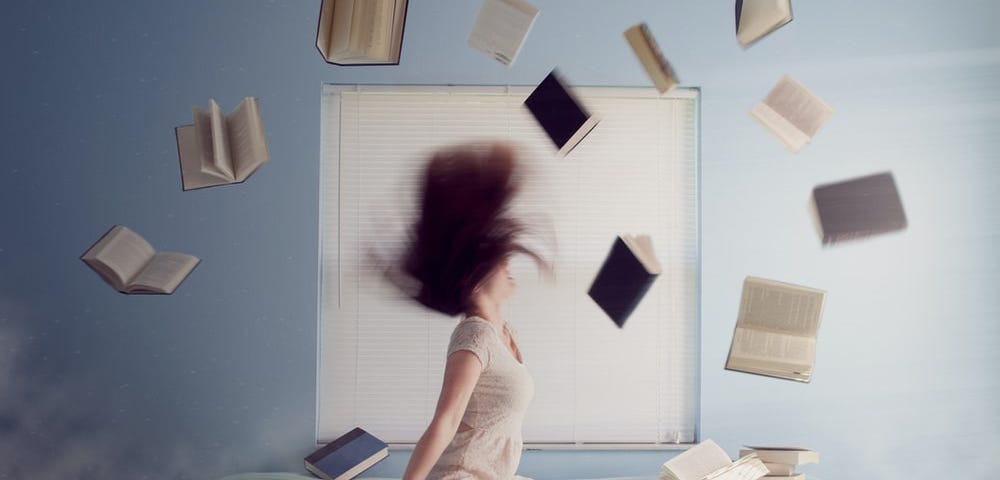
(782, 455)
(648, 52)
(127, 262)
(755, 19)
(776, 330)
(501, 28)
(221, 149)
(626, 275)
(859, 207)
(560, 114)
(361, 32)
(347, 456)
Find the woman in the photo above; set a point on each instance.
(459, 255)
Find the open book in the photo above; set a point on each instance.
(501, 28)
(755, 19)
(707, 461)
(361, 32)
(130, 264)
(560, 114)
(625, 276)
(221, 149)
(792, 113)
(776, 329)
(648, 52)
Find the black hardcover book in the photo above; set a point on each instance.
(627, 274)
(559, 113)
(859, 207)
(347, 456)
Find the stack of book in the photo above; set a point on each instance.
(782, 462)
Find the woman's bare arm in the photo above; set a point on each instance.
(461, 373)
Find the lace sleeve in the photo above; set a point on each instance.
(473, 336)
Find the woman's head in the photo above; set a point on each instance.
(465, 232)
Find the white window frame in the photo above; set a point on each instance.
(344, 284)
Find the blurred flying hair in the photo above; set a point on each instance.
(465, 228)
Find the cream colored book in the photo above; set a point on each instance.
(707, 461)
(221, 149)
(783, 455)
(648, 52)
(792, 113)
(361, 32)
(755, 19)
(501, 29)
(127, 262)
(776, 330)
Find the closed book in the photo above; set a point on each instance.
(559, 113)
(786, 455)
(347, 456)
(859, 207)
(625, 276)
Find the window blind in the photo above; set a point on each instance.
(381, 356)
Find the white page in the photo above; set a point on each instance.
(501, 28)
(745, 468)
(123, 253)
(698, 461)
(164, 272)
(248, 146)
(780, 307)
(769, 346)
(221, 163)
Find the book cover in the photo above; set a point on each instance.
(559, 113)
(782, 455)
(859, 207)
(628, 272)
(347, 456)
(755, 19)
(501, 28)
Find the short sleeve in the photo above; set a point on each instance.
(473, 336)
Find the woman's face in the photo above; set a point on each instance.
(499, 285)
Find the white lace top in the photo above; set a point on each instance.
(491, 449)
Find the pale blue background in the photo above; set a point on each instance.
(220, 377)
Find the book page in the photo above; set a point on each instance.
(121, 254)
(698, 461)
(745, 468)
(780, 307)
(163, 273)
(202, 126)
(220, 163)
(371, 27)
(339, 24)
(248, 146)
(501, 28)
(642, 248)
(789, 350)
(800, 107)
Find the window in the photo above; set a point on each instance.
(381, 357)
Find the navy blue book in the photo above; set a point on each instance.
(627, 274)
(347, 456)
(560, 114)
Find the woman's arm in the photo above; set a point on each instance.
(461, 373)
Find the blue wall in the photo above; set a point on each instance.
(219, 378)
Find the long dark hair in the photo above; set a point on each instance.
(465, 228)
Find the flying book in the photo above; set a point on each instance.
(755, 19)
(501, 28)
(560, 114)
(221, 149)
(858, 208)
(347, 456)
(707, 461)
(361, 32)
(651, 58)
(792, 113)
(782, 455)
(130, 264)
(625, 276)
(776, 330)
